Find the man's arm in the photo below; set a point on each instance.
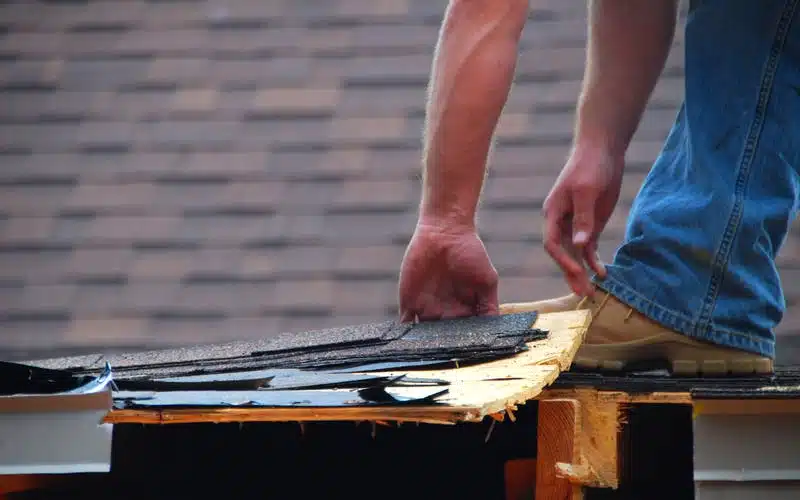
(446, 271)
(471, 77)
(629, 41)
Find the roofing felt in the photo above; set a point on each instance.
(176, 173)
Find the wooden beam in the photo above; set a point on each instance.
(598, 443)
(619, 396)
(557, 431)
(578, 442)
(421, 414)
(755, 406)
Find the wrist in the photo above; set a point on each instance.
(446, 221)
(599, 143)
(602, 130)
(598, 147)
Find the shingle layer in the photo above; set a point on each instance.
(180, 172)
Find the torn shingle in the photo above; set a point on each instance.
(460, 341)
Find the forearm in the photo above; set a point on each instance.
(471, 77)
(629, 41)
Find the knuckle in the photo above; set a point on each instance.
(582, 189)
(582, 220)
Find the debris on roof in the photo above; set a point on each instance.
(51, 421)
(18, 379)
(449, 370)
(375, 391)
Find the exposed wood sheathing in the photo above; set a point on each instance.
(578, 445)
(474, 392)
(558, 429)
(621, 397)
(595, 462)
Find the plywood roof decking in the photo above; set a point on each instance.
(474, 392)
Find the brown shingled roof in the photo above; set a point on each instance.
(175, 172)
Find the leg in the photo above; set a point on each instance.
(694, 281)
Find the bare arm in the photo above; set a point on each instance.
(446, 271)
(629, 41)
(470, 81)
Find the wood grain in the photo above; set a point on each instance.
(597, 453)
(556, 443)
(620, 397)
(754, 406)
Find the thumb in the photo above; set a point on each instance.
(583, 220)
(408, 316)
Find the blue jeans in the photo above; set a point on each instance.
(699, 250)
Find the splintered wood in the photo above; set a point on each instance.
(556, 444)
(501, 385)
(473, 392)
(577, 446)
(598, 438)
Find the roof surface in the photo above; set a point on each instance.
(183, 172)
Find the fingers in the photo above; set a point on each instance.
(425, 307)
(583, 218)
(422, 309)
(571, 240)
(556, 231)
(493, 302)
(410, 291)
(452, 304)
(408, 316)
(592, 257)
(409, 307)
(585, 231)
(405, 301)
(488, 302)
(430, 313)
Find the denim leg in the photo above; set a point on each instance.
(699, 250)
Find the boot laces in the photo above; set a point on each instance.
(594, 312)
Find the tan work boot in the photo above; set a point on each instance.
(619, 337)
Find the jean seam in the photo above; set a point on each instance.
(703, 324)
(677, 321)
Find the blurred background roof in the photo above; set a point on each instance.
(182, 172)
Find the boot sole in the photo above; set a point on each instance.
(668, 350)
(755, 366)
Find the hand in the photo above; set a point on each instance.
(446, 273)
(577, 210)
